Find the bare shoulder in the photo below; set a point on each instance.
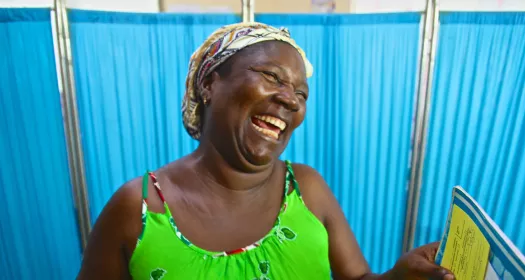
(121, 214)
(126, 198)
(125, 206)
(114, 235)
(315, 191)
(128, 194)
(310, 181)
(303, 171)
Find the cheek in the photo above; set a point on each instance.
(234, 97)
(298, 117)
(252, 94)
(235, 105)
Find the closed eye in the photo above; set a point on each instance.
(272, 76)
(303, 94)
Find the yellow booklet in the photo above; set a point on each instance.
(473, 247)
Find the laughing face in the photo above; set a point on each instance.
(257, 99)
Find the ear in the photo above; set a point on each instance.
(210, 85)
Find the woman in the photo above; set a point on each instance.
(232, 209)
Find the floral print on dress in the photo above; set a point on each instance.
(264, 268)
(157, 274)
(178, 233)
(144, 212)
(285, 233)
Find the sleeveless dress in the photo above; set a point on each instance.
(295, 248)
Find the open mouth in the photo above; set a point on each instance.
(268, 125)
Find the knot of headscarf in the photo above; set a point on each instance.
(220, 46)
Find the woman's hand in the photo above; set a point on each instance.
(419, 264)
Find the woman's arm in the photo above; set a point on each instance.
(118, 226)
(346, 259)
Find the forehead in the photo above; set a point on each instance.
(277, 53)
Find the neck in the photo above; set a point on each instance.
(219, 172)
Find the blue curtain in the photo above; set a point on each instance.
(476, 135)
(358, 122)
(39, 237)
(130, 72)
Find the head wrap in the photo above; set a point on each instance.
(220, 46)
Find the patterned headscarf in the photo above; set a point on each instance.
(220, 46)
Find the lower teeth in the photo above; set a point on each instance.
(266, 132)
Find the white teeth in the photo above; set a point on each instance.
(266, 132)
(275, 121)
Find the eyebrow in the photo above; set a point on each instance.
(270, 64)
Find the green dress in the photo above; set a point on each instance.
(295, 248)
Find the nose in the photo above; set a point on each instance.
(288, 100)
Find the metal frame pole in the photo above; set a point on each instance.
(248, 10)
(71, 122)
(426, 73)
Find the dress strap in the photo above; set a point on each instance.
(145, 183)
(157, 186)
(290, 178)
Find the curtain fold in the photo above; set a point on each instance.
(359, 116)
(476, 135)
(38, 233)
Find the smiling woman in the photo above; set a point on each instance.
(232, 209)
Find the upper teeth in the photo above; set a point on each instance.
(275, 121)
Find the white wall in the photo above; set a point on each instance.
(385, 6)
(374, 6)
(482, 5)
(346, 6)
(355, 6)
(261, 6)
(26, 3)
(149, 6)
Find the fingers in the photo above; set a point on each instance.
(434, 246)
(433, 271)
(419, 263)
(430, 250)
(440, 272)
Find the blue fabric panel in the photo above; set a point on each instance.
(476, 135)
(130, 72)
(38, 233)
(358, 122)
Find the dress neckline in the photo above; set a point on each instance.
(288, 180)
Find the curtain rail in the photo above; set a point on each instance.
(71, 120)
(248, 10)
(419, 140)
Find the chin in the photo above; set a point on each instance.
(260, 157)
(259, 152)
(257, 149)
